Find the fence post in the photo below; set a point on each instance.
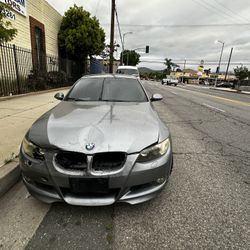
(16, 68)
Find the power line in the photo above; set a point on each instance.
(183, 25)
(118, 24)
(197, 64)
(211, 8)
(198, 60)
(220, 10)
(234, 13)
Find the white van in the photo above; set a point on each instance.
(128, 70)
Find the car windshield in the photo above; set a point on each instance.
(107, 89)
(127, 71)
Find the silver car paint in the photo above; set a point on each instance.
(111, 126)
(71, 125)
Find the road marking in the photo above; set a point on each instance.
(174, 93)
(212, 107)
(218, 97)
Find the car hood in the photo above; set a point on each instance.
(125, 127)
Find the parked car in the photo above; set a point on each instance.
(170, 80)
(103, 143)
(225, 84)
(128, 70)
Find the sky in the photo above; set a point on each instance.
(177, 29)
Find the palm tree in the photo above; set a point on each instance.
(170, 64)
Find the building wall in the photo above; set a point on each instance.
(45, 14)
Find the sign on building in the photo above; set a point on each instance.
(9, 14)
(17, 5)
(201, 66)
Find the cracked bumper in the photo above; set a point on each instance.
(135, 183)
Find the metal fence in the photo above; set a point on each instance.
(19, 74)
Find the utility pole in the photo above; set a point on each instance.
(229, 61)
(218, 73)
(112, 30)
(184, 67)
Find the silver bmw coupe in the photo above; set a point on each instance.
(103, 143)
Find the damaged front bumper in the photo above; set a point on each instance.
(133, 183)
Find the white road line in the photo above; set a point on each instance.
(174, 93)
(212, 107)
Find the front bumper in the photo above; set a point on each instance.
(133, 184)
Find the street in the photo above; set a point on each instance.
(206, 204)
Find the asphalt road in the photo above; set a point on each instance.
(206, 204)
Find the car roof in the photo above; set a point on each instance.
(110, 76)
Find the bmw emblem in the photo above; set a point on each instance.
(90, 146)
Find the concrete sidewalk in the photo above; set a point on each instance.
(16, 117)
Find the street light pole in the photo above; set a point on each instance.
(123, 43)
(222, 48)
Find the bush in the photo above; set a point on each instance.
(56, 79)
(46, 80)
(36, 81)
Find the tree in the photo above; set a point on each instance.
(7, 32)
(130, 57)
(80, 35)
(241, 72)
(170, 65)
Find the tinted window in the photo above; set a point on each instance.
(108, 89)
(123, 90)
(87, 89)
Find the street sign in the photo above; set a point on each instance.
(17, 5)
(200, 68)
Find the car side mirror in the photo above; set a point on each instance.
(59, 96)
(156, 97)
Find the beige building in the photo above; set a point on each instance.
(38, 24)
(193, 74)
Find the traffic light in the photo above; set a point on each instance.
(147, 49)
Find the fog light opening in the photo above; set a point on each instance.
(160, 180)
(28, 163)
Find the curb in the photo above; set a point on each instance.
(5, 98)
(10, 174)
(238, 92)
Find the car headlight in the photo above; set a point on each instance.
(154, 152)
(32, 150)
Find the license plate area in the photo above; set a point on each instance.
(89, 186)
